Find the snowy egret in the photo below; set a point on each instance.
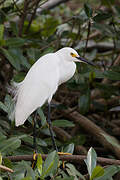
(42, 81)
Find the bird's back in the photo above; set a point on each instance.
(39, 85)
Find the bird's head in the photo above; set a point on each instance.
(70, 54)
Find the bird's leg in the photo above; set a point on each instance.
(50, 128)
(52, 136)
(34, 133)
(34, 141)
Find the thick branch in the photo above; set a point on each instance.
(92, 129)
(61, 134)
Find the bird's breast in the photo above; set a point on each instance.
(67, 70)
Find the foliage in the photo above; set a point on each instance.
(27, 33)
(97, 172)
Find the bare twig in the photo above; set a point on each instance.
(6, 169)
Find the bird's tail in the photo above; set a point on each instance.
(13, 89)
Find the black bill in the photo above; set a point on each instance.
(85, 61)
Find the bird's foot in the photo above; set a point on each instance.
(34, 159)
(64, 153)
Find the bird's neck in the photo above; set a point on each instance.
(67, 70)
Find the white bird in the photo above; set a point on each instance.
(42, 81)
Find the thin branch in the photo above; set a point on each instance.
(88, 33)
(18, 10)
(24, 14)
(33, 15)
(70, 158)
(2, 2)
(6, 169)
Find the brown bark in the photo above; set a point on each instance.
(93, 130)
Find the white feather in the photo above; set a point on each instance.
(41, 82)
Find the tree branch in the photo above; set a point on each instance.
(92, 129)
(24, 14)
(6, 169)
(51, 4)
(33, 15)
(70, 158)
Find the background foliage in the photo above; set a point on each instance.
(27, 32)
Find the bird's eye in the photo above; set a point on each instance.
(73, 55)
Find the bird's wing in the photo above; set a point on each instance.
(39, 85)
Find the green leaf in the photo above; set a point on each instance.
(16, 58)
(9, 145)
(84, 102)
(88, 10)
(39, 163)
(111, 140)
(14, 27)
(8, 163)
(108, 2)
(109, 172)
(112, 75)
(19, 77)
(15, 42)
(27, 178)
(3, 107)
(8, 101)
(91, 160)
(42, 116)
(97, 172)
(23, 60)
(12, 57)
(33, 54)
(28, 168)
(69, 148)
(50, 165)
(0, 158)
(72, 171)
(8, 104)
(5, 125)
(50, 26)
(91, 76)
(1, 31)
(107, 89)
(102, 16)
(67, 178)
(29, 139)
(118, 10)
(62, 123)
(104, 28)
